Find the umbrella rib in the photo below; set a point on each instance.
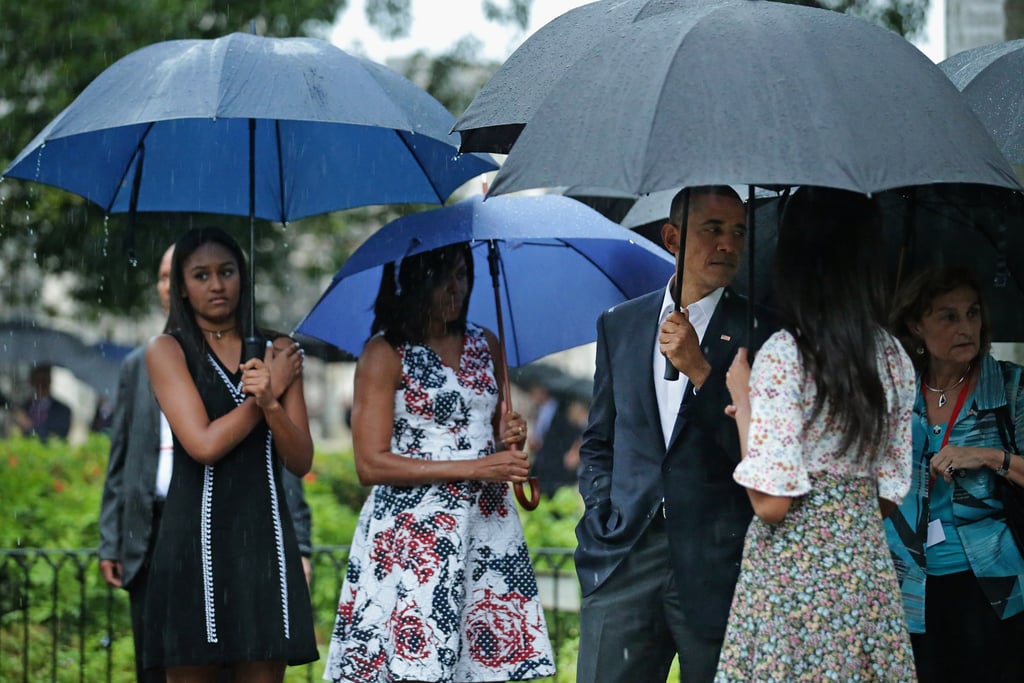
(510, 329)
(124, 171)
(280, 170)
(426, 174)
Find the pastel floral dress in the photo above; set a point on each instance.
(817, 597)
(439, 584)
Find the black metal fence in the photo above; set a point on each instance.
(60, 622)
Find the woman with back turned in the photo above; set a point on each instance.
(824, 422)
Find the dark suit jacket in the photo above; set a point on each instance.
(126, 511)
(57, 422)
(626, 470)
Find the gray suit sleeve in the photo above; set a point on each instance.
(299, 510)
(112, 502)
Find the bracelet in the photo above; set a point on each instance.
(1005, 469)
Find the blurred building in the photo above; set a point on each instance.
(972, 23)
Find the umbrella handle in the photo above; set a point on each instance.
(533, 501)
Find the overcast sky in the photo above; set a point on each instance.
(438, 25)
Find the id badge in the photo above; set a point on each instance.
(935, 533)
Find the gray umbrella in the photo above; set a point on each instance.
(650, 210)
(498, 113)
(751, 92)
(24, 343)
(990, 77)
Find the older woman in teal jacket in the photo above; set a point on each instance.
(960, 570)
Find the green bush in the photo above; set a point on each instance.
(51, 494)
(57, 601)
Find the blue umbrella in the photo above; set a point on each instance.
(560, 264)
(273, 128)
(178, 124)
(553, 263)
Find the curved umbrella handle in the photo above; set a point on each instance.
(493, 262)
(533, 501)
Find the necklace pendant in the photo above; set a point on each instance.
(942, 399)
(220, 334)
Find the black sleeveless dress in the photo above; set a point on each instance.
(226, 582)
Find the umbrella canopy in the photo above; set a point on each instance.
(499, 112)
(648, 209)
(25, 343)
(990, 79)
(560, 265)
(172, 120)
(813, 97)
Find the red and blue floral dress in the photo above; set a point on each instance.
(439, 585)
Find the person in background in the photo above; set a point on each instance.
(103, 416)
(43, 416)
(6, 415)
(226, 585)
(439, 586)
(824, 427)
(138, 474)
(577, 412)
(544, 408)
(662, 533)
(548, 453)
(961, 573)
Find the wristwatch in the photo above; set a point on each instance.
(1005, 469)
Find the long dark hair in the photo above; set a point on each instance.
(181, 317)
(915, 298)
(831, 292)
(404, 301)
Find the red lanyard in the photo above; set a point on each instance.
(952, 418)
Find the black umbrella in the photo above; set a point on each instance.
(990, 77)
(498, 113)
(752, 92)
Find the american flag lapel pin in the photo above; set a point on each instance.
(725, 337)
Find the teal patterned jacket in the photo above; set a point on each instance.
(977, 512)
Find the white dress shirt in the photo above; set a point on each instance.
(166, 463)
(670, 394)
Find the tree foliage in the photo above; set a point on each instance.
(905, 17)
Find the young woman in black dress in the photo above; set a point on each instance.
(227, 587)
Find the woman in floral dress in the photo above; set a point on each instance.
(439, 584)
(824, 421)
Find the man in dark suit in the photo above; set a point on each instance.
(138, 475)
(44, 416)
(662, 535)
